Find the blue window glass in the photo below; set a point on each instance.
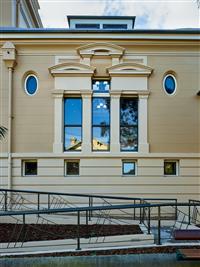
(129, 168)
(101, 111)
(169, 84)
(73, 111)
(31, 85)
(129, 124)
(100, 123)
(100, 86)
(73, 124)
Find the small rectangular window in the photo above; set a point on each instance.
(115, 26)
(170, 167)
(87, 26)
(72, 168)
(29, 167)
(129, 167)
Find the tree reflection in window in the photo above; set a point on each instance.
(73, 124)
(100, 123)
(129, 124)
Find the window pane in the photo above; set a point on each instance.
(169, 84)
(73, 111)
(128, 138)
(169, 168)
(73, 138)
(101, 111)
(31, 85)
(30, 168)
(100, 86)
(129, 168)
(72, 168)
(101, 138)
(129, 112)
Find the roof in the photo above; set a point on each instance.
(66, 30)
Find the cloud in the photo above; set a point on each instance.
(114, 8)
(149, 13)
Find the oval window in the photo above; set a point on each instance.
(169, 84)
(31, 84)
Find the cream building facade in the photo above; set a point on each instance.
(110, 111)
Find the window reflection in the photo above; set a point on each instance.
(73, 138)
(129, 124)
(128, 168)
(73, 124)
(100, 86)
(101, 123)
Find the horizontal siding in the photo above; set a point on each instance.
(104, 176)
(125, 189)
(118, 181)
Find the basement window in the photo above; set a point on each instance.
(72, 168)
(129, 168)
(29, 167)
(170, 167)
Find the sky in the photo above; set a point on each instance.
(150, 14)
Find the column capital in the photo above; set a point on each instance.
(115, 94)
(143, 95)
(86, 94)
(57, 93)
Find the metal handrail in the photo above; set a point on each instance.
(82, 195)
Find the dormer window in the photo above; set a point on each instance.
(115, 26)
(88, 26)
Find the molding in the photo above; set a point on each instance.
(71, 68)
(121, 155)
(64, 34)
(103, 49)
(130, 68)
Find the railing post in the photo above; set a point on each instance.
(5, 201)
(189, 213)
(38, 202)
(23, 228)
(159, 225)
(86, 217)
(176, 217)
(78, 231)
(149, 220)
(90, 205)
(134, 210)
(48, 203)
(140, 211)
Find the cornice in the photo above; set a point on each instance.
(71, 68)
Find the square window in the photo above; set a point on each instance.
(170, 167)
(72, 168)
(29, 167)
(129, 168)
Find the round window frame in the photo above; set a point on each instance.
(175, 82)
(25, 81)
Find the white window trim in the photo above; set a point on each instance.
(129, 161)
(165, 77)
(23, 167)
(65, 167)
(177, 168)
(29, 75)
